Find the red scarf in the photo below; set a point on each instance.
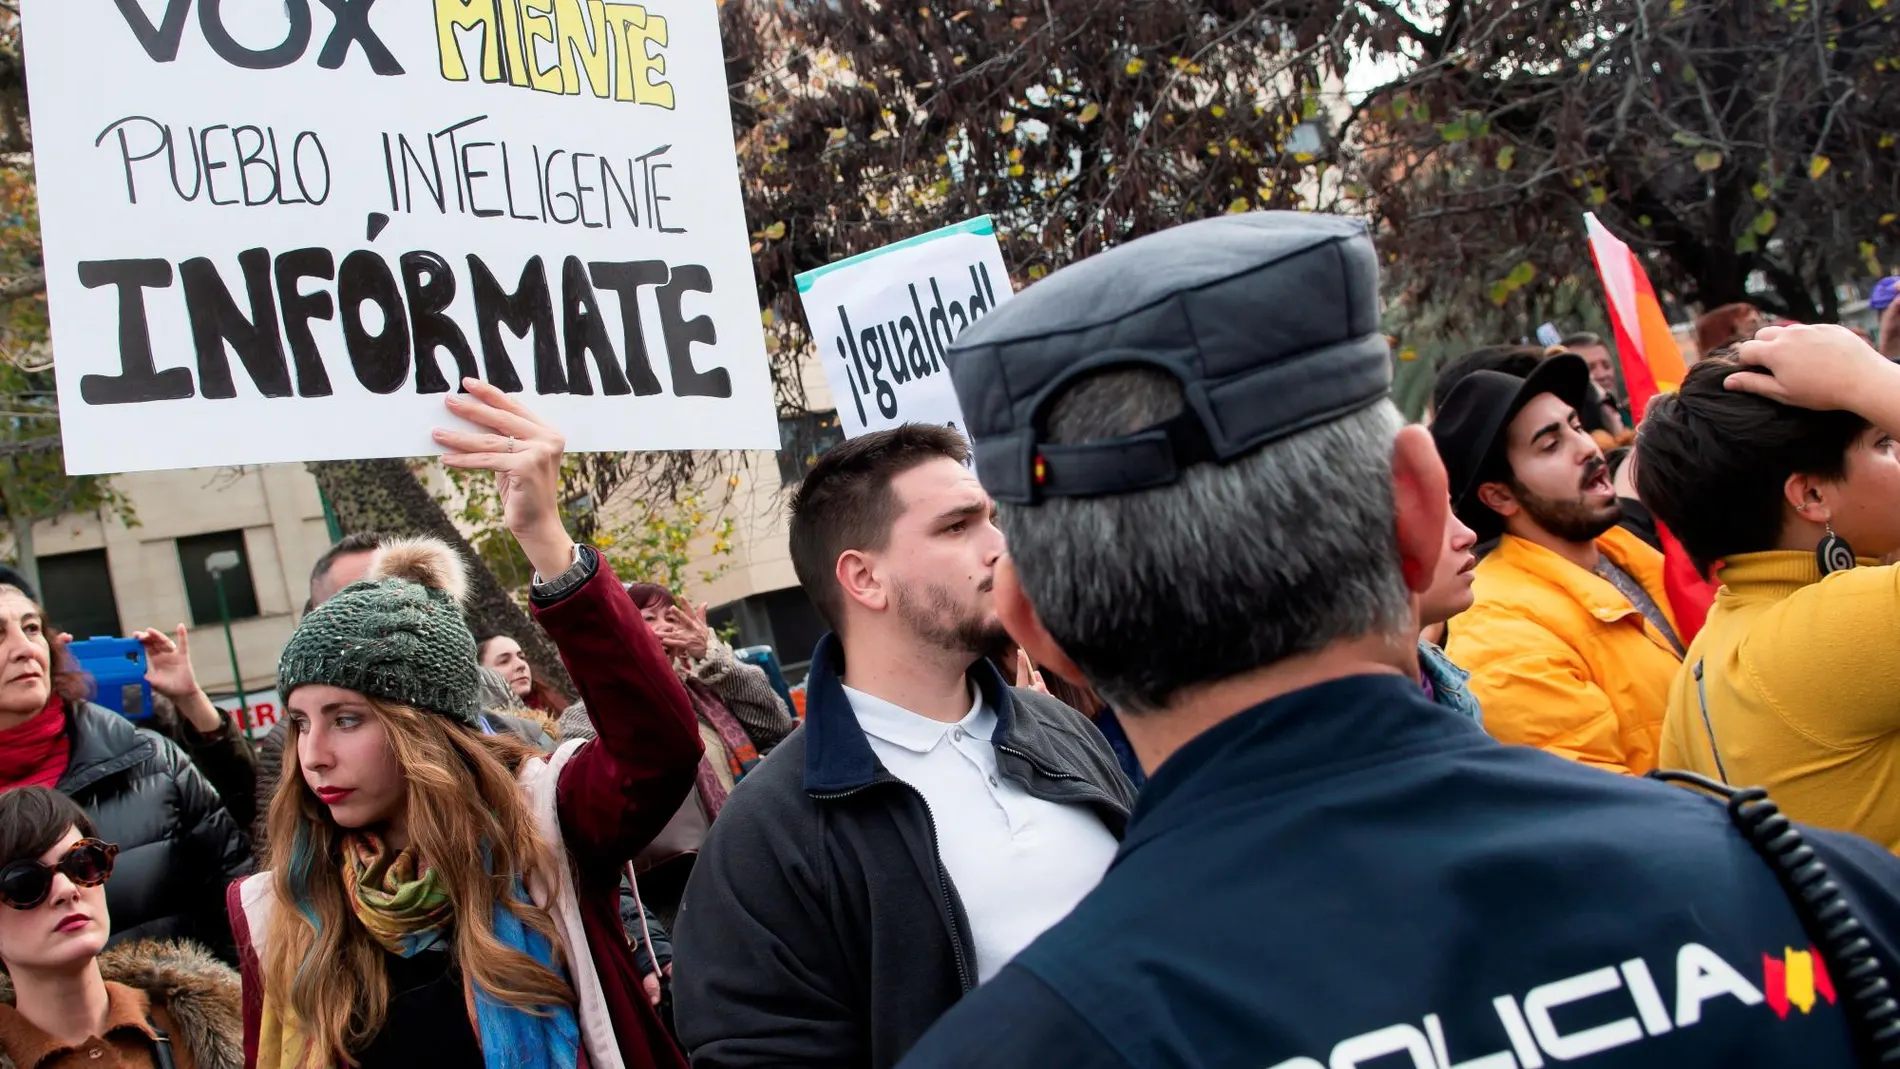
(35, 753)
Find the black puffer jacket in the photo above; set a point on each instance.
(178, 848)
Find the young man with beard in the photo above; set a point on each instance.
(1571, 644)
(926, 823)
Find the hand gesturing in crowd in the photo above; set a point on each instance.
(684, 634)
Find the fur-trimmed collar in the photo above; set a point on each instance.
(198, 991)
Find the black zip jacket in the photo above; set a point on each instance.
(178, 847)
(820, 927)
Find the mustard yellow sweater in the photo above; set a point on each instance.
(1801, 678)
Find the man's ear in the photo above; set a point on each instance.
(1020, 620)
(1499, 499)
(1421, 506)
(858, 578)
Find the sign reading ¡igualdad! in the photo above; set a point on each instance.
(883, 320)
(274, 229)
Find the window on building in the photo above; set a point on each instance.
(77, 588)
(240, 594)
(802, 440)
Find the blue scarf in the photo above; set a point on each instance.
(517, 1039)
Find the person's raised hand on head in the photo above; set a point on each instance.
(1822, 367)
(525, 455)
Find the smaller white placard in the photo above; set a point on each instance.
(883, 320)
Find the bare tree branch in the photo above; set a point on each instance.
(27, 285)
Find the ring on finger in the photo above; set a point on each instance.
(512, 444)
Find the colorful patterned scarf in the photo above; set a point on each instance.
(402, 903)
(399, 901)
(741, 755)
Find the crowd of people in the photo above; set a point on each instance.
(1191, 710)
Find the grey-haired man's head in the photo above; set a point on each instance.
(1199, 470)
(1234, 567)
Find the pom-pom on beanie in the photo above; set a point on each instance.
(399, 635)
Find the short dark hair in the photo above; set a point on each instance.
(846, 503)
(348, 545)
(1582, 339)
(34, 819)
(1712, 462)
(1518, 360)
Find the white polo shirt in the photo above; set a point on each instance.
(1019, 864)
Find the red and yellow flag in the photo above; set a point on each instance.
(1796, 979)
(1652, 364)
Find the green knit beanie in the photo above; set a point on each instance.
(398, 635)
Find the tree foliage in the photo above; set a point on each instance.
(644, 538)
(1076, 124)
(1729, 140)
(1725, 138)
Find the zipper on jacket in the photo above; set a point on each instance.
(1094, 791)
(1039, 766)
(943, 876)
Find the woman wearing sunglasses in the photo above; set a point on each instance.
(63, 1005)
(440, 895)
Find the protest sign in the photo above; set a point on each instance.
(882, 321)
(258, 714)
(275, 230)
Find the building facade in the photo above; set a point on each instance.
(101, 578)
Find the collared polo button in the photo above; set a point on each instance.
(957, 734)
(994, 783)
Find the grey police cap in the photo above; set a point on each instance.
(1270, 321)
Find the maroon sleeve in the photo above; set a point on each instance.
(251, 977)
(620, 789)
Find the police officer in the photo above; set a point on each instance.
(1218, 519)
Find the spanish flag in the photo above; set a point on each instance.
(1652, 364)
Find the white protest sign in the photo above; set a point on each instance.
(277, 230)
(882, 321)
(264, 710)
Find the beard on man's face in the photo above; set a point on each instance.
(1571, 519)
(934, 615)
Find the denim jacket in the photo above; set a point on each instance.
(1446, 682)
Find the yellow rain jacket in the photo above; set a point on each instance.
(1560, 659)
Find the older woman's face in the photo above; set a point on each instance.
(65, 931)
(26, 656)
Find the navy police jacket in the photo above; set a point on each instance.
(1351, 877)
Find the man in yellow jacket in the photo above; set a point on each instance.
(1571, 645)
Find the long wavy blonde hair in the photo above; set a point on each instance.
(322, 965)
